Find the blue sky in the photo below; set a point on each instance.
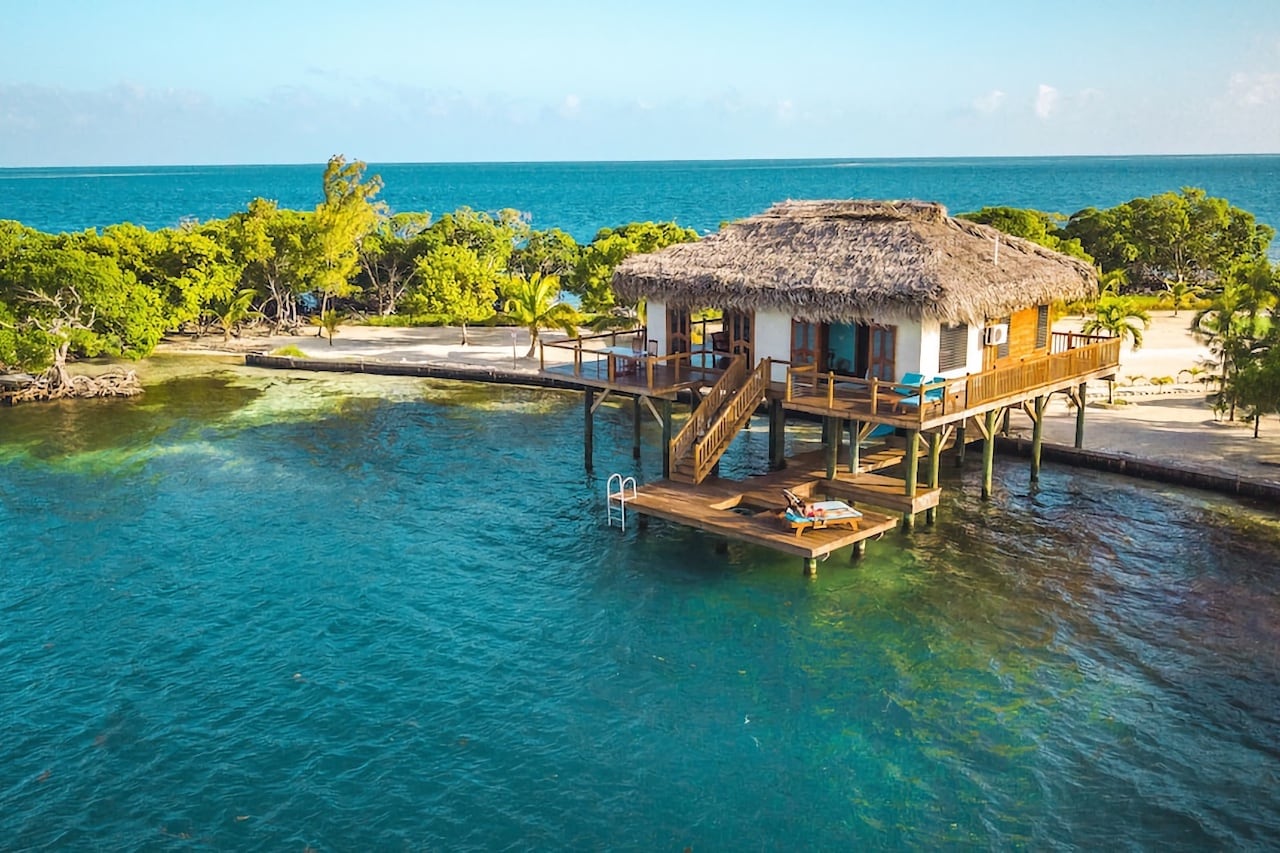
(115, 82)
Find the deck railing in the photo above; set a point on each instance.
(746, 398)
(683, 367)
(700, 421)
(1071, 354)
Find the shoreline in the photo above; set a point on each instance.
(1169, 427)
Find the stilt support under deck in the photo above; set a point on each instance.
(855, 446)
(832, 433)
(588, 425)
(777, 436)
(960, 445)
(666, 438)
(811, 567)
(913, 472)
(1037, 436)
(1080, 392)
(989, 451)
(635, 432)
(935, 462)
(859, 550)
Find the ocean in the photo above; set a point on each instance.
(257, 610)
(582, 198)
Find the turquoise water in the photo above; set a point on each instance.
(264, 611)
(584, 197)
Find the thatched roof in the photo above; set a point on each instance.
(858, 260)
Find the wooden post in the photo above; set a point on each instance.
(666, 438)
(855, 447)
(960, 445)
(935, 462)
(1004, 425)
(588, 424)
(1084, 386)
(832, 432)
(1037, 435)
(859, 550)
(913, 472)
(777, 435)
(635, 423)
(989, 452)
(811, 567)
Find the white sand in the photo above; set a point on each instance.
(1171, 423)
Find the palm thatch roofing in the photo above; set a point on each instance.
(858, 260)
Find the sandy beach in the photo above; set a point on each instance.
(1170, 423)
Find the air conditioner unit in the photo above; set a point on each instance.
(997, 334)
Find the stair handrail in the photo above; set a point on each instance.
(729, 421)
(702, 416)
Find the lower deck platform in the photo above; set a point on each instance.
(750, 510)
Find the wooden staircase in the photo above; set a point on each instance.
(718, 419)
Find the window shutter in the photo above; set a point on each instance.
(953, 347)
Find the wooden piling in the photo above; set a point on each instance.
(989, 452)
(588, 426)
(832, 432)
(777, 436)
(635, 424)
(855, 447)
(1037, 437)
(913, 472)
(811, 567)
(935, 463)
(960, 445)
(1080, 392)
(666, 438)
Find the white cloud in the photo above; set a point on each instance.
(1046, 101)
(570, 107)
(990, 102)
(1254, 89)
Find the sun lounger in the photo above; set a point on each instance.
(818, 515)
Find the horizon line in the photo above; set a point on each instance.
(855, 159)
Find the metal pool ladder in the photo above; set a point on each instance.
(620, 490)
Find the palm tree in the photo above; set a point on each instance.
(1119, 317)
(534, 303)
(329, 321)
(234, 311)
(1182, 294)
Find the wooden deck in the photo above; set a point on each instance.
(734, 514)
(748, 510)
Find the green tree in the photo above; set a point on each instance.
(550, 252)
(1119, 317)
(593, 274)
(456, 283)
(342, 221)
(389, 257)
(1033, 225)
(231, 311)
(65, 301)
(273, 248)
(534, 303)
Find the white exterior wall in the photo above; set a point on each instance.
(655, 320)
(910, 345)
(931, 346)
(773, 340)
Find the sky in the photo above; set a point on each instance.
(138, 82)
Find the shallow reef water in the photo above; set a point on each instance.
(254, 610)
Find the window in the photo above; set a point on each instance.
(953, 348)
(1002, 351)
(1042, 327)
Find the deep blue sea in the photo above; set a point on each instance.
(255, 610)
(581, 198)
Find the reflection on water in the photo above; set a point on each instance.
(259, 610)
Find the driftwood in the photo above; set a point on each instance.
(55, 385)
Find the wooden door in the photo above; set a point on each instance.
(880, 359)
(807, 344)
(678, 330)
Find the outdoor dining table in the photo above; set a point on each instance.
(623, 360)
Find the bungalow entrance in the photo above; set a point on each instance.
(732, 334)
(853, 349)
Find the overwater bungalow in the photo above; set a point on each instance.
(876, 316)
